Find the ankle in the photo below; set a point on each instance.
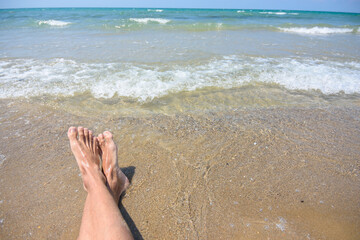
(93, 179)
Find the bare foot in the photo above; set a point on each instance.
(85, 148)
(116, 179)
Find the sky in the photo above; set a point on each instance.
(316, 5)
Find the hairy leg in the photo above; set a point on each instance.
(101, 218)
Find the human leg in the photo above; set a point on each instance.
(101, 218)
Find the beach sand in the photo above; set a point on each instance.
(248, 173)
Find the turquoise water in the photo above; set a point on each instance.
(144, 54)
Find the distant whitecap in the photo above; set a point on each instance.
(155, 10)
(276, 13)
(147, 20)
(54, 23)
(316, 30)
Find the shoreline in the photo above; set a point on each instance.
(252, 173)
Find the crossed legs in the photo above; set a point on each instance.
(101, 217)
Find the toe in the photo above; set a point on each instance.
(81, 134)
(72, 134)
(96, 146)
(101, 139)
(86, 136)
(110, 144)
(108, 135)
(91, 140)
(101, 143)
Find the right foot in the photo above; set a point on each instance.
(117, 182)
(86, 151)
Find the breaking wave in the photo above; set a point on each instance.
(317, 30)
(62, 77)
(147, 20)
(54, 23)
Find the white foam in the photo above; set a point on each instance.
(155, 10)
(54, 23)
(316, 30)
(120, 26)
(29, 77)
(276, 13)
(147, 20)
(240, 11)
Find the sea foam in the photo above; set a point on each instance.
(54, 23)
(316, 30)
(155, 10)
(147, 20)
(62, 77)
(276, 13)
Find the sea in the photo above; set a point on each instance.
(172, 60)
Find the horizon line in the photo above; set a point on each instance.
(183, 8)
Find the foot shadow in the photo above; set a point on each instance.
(129, 172)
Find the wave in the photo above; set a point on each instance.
(120, 26)
(174, 25)
(198, 27)
(56, 23)
(147, 20)
(316, 30)
(276, 13)
(155, 10)
(62, 77)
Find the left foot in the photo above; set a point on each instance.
(117, 182)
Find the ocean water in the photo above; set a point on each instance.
(149, 57)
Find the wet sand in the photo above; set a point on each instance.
(248, 173)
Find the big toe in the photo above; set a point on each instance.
(109, 142)
(72, 133)
(101, 139)
(108, 136)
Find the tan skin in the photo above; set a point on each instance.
(101, 217)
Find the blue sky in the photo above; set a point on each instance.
(320, 5)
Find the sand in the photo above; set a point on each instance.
(247, 173)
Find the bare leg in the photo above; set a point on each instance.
(101, 218)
